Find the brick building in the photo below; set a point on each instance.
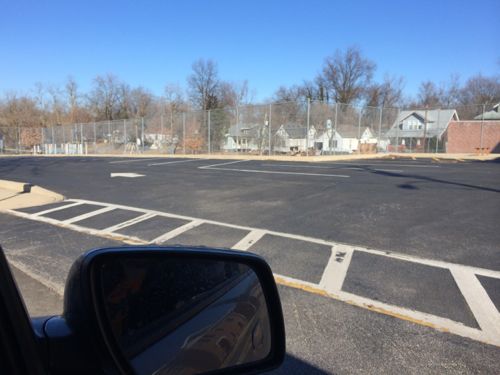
(465, 137)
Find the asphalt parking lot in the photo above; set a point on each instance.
(415, 240)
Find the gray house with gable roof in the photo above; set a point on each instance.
(411, 127)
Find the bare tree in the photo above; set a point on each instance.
(174, 98)
(142, 100)
(450, 92)
(347, 75)
(232, 94)
(203, 84)
(429, 95)
(387, 94)
(105, 97)
(481, 90)
(288, 94)
(57, 105)
(72, 97)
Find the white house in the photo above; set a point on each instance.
(242, 137)
(292, 138)
(343, 139)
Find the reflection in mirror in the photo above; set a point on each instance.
(183, 316)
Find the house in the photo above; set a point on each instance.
(412, 126)
(343, 139)
(294, 138)
(490, 115)
(244, 137)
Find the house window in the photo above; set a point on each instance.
(333, 143)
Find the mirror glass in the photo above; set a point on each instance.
(181, 315)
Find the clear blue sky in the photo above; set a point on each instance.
(269, 43)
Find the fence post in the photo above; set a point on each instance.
(184, 133)
(161, 124)
(335, 127)
(237, 130)
(359, 132)
(18, 140)
(481, 135)
(42, 139)
(142, 133)
(209, 146)
(171, 123)
(95, 138)
(81, 136)
(307, 122)
(269, 127)
(437, 135)
(397, 131)
(380, 126)
(109, 132)
(124, 134)
(53, 143)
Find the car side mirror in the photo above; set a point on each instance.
(174, 310)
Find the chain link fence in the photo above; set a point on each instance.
(287, 128)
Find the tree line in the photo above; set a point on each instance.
(344, 77)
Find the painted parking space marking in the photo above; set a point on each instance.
(57, 208)
(324, 167)
(336, 266)
(276, 172)
(226, 163)
(246, 242)
(126, 175)
(127, 223)
(87, 215)
(174, 233)
(173, 162)
(130, 161)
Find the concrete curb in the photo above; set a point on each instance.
(20, 186)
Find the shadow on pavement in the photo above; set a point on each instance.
(293, 365)
(428, 179)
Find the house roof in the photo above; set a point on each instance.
(490, 115)
(349, 131)
(295, 131)
(437, 122)
(244, 130)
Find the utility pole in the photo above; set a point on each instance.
(425, 128)
(307, 130)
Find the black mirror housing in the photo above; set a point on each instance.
(85, 313)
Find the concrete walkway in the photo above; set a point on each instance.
(15, 194)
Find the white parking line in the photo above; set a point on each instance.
(389, 164)
(173, 162)
(227, 163)
(174, 233)
(246, 242)
(57, 208)
(131, 161)
(334, 273)
(87, 215)
(128, 223)
(336, 269)
(322, 167)
(278, 172)
(485, 312)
